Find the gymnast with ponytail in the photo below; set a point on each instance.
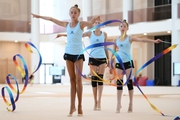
(73, 48)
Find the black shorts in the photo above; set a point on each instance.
(73, 58)
(126, 65)
(97, 61)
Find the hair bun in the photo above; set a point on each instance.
(76, 5)
(124, 20)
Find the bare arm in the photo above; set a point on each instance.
(105, 37)
(146, 40)
(86, 34)
(60, 23)
(89, 23)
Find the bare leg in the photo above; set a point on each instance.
(94, 84)
(95, 97)
(70, 67)
(130, 100)
(79, 65)
(100, 89)
(119, 92)
(119, 97)
(131, 92)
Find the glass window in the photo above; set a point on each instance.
(162, 2)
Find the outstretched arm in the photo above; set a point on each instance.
(60, 23)
(89, 23)
(86, 34)
(136, 39)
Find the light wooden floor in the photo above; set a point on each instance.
(51, 102)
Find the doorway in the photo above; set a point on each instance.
(45, 77)
(163, 64)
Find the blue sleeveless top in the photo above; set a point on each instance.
(74, 40)
(124, 47)
(98, 52)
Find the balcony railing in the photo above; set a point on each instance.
(134, 16)
(111, 16)
(15, 26)
(149, 14)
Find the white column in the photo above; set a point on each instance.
(86, 9)
(175, 37)
(86, 12)
(35, 36)
(127, 5)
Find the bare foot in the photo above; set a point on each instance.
(98, 106)
(80, 112)
(95, 106)
(71, 112)
(130, 108)
(118, 108)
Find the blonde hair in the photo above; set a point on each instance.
(124, 21)
(100, 18)
(76, 6)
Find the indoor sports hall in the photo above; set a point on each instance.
(35, 81)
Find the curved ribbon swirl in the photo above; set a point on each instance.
(24, 73)
(118, 58)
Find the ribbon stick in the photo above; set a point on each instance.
(166, 42)
(24, 73)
